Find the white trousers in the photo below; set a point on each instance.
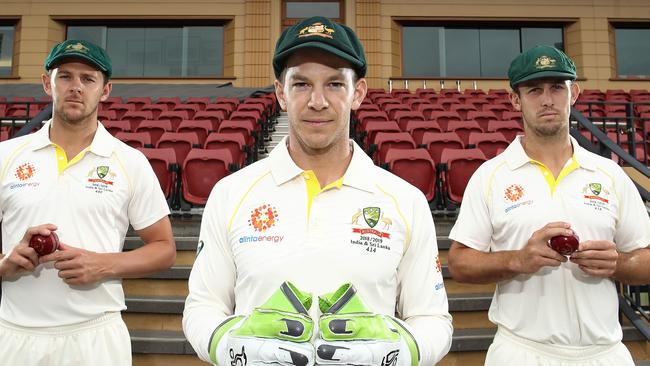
(510, 349)
(103, 341)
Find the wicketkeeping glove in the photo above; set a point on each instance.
(276, 333)
(350, 334)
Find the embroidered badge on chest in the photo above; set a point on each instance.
(366, 233)
(596, 196)
(101, 179)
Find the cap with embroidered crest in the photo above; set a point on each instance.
(320, 32)
(81, 50)
(539, 62)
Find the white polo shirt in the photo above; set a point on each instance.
(92, 200)
(372, 229)
(509, 197)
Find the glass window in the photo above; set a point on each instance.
(6, 50)
(302, 9)
(460, 51)
(633, 52)
(190, 51)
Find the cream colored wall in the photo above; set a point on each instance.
(254, 26)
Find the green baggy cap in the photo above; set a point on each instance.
(81, 50)
(322, 33)
(539, 62)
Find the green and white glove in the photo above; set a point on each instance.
(350, 334)
(276, 333)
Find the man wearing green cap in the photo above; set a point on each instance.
(315, 255)
(551, 308)
(74, 180)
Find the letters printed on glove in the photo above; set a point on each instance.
(350, 334)
(276, 333)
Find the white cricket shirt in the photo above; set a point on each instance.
(508, 198)
(92, 200)
(373, 229)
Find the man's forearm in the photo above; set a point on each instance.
(634, 267)
(473, 266)
(150, 258)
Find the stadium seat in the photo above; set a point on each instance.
(120, 109)
(482, 118)
(175, 117)
(202, 169)
(114, 127)
(463, 129)
(489, 143)
(403, 117)
(444, 117)
(368, 134)
(234, 142)
(463, 109)
(182, 143)
(418, 128)
(510, 129)
(155, 109)
(246, 128)
(134, 139)
(514, 115)
(393, 109)
(457, 166)
(155, 128)
(202, 128)
(234, 102)
(190, 109)
(105, 115)
(447, 101)
(428, 109)
(135, 117)
(414, 166)
(164, 164)
(200, 102)
(435, 143)
(499, 110)
(170, 102)
(385, 141)
(139, 102)
(214, 116)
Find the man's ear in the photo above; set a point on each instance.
(575, 92)
(515, 100)
(106, 91)
(47, 84)
(360, 91)
(279, 93)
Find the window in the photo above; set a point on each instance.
(294, 11)
(158, 51)
(6, 49)
(463, 51)
(632, 51)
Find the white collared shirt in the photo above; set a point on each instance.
(92, 202)
(375, 231)
(508, 198)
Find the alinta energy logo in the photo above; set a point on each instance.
(514, 192)
(263, 218)
(25, 171)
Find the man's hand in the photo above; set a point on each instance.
(596, 258)
(22, 258)
(537, 254)
(352, 335)
(79, 266)
(276, 333)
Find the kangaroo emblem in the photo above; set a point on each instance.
(387, 222)
(355, 217)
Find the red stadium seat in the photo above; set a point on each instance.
(190, 109)
(402, 117)
(113, 127)
(155, 109)
(385, 141)
(234, 102)
(234, 142)
(435, 143)
(515, 115)
(393, 109)
(134, 139)
(418, 128)
(139, 102)
(175, 117)
(170, 102)
(368, 135)
(202, 128)
(182, 143)
(200, 102)
(214, 116)
(489, 143)
(463, 109)
(460, 164)
(510, 129)
(202, 169)
(499, 110)
(444, 117)
(245, 128)
(414, 166)
(105, 115)
(135, 117)
(120, 109)
(155, 128)
(463, 129)
(164, 164)
(482, 117)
